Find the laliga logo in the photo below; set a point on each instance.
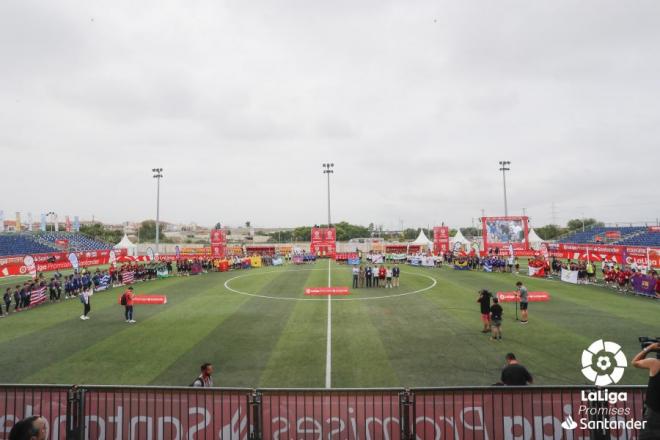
(602, 355)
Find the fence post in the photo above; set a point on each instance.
(406, 404)
(75, 417)
(255, 415)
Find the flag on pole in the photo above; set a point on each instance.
(43, 223)
(38, 296)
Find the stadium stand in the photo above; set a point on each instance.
(590, 236)
(77, 242)
(23, 244)
(646, 238)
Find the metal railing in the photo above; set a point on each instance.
(488, 413)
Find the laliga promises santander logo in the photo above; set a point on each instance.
(603, 363)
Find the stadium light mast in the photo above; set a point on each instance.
(504, 167)
(327, 169)
(158, 174)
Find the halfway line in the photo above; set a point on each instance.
(328, 345)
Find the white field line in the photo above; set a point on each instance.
(328, 345)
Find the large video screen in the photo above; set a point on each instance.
(500, 231)
(505, 231)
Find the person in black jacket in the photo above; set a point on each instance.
(515, 374)
(652, 401)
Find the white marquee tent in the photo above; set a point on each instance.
(460, 238)
(534, 240)
(125, 243)
(422, 240)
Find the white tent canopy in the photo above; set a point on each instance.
(534, 240)
(422, 240)
(125, 243)
(459, 238)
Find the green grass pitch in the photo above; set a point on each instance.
(271, 335)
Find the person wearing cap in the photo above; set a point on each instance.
(128, 305)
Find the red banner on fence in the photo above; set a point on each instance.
(14, 266)
(326, 291)
(454, 413)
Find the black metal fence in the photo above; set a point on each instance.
(488, 413)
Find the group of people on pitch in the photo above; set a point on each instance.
(376, 276)
(491, 314)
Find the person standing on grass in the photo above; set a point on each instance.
(17, 298)
(515, 374)
(205, 379)
(7, 300)
(484, 304)
(356, 276)
(523, 297)
(85, 300)
(127, 302)
(388, 277)
(374, 274)
(361, 276)
(395, 275)
(496, 313)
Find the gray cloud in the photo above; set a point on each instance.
(241, 102)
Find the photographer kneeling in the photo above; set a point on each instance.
(652, 411)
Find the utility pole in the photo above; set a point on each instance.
(504, 167)
(553, 213)
(158, 174)
(328, 169)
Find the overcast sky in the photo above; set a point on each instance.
(415, 102)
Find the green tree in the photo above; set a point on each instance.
(147, 231)
(578, 223)
(550, 232)
(471, 231)
(98, 232)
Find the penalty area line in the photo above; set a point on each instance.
(328, 345)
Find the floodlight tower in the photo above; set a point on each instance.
(328, 169)
(158, 174)
(504, 167)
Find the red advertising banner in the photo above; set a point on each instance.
(499, 232)
(14, 266)
(62, 243)
(440, 239)
(326, 291)
(531, 296)
(654, 228)
(323, 242)
(458, 414)
(218, 243)
(615, 235)
(146, 299)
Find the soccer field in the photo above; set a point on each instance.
(259, 330)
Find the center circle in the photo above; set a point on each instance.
(288, 298)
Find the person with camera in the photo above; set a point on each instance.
(651, 429)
